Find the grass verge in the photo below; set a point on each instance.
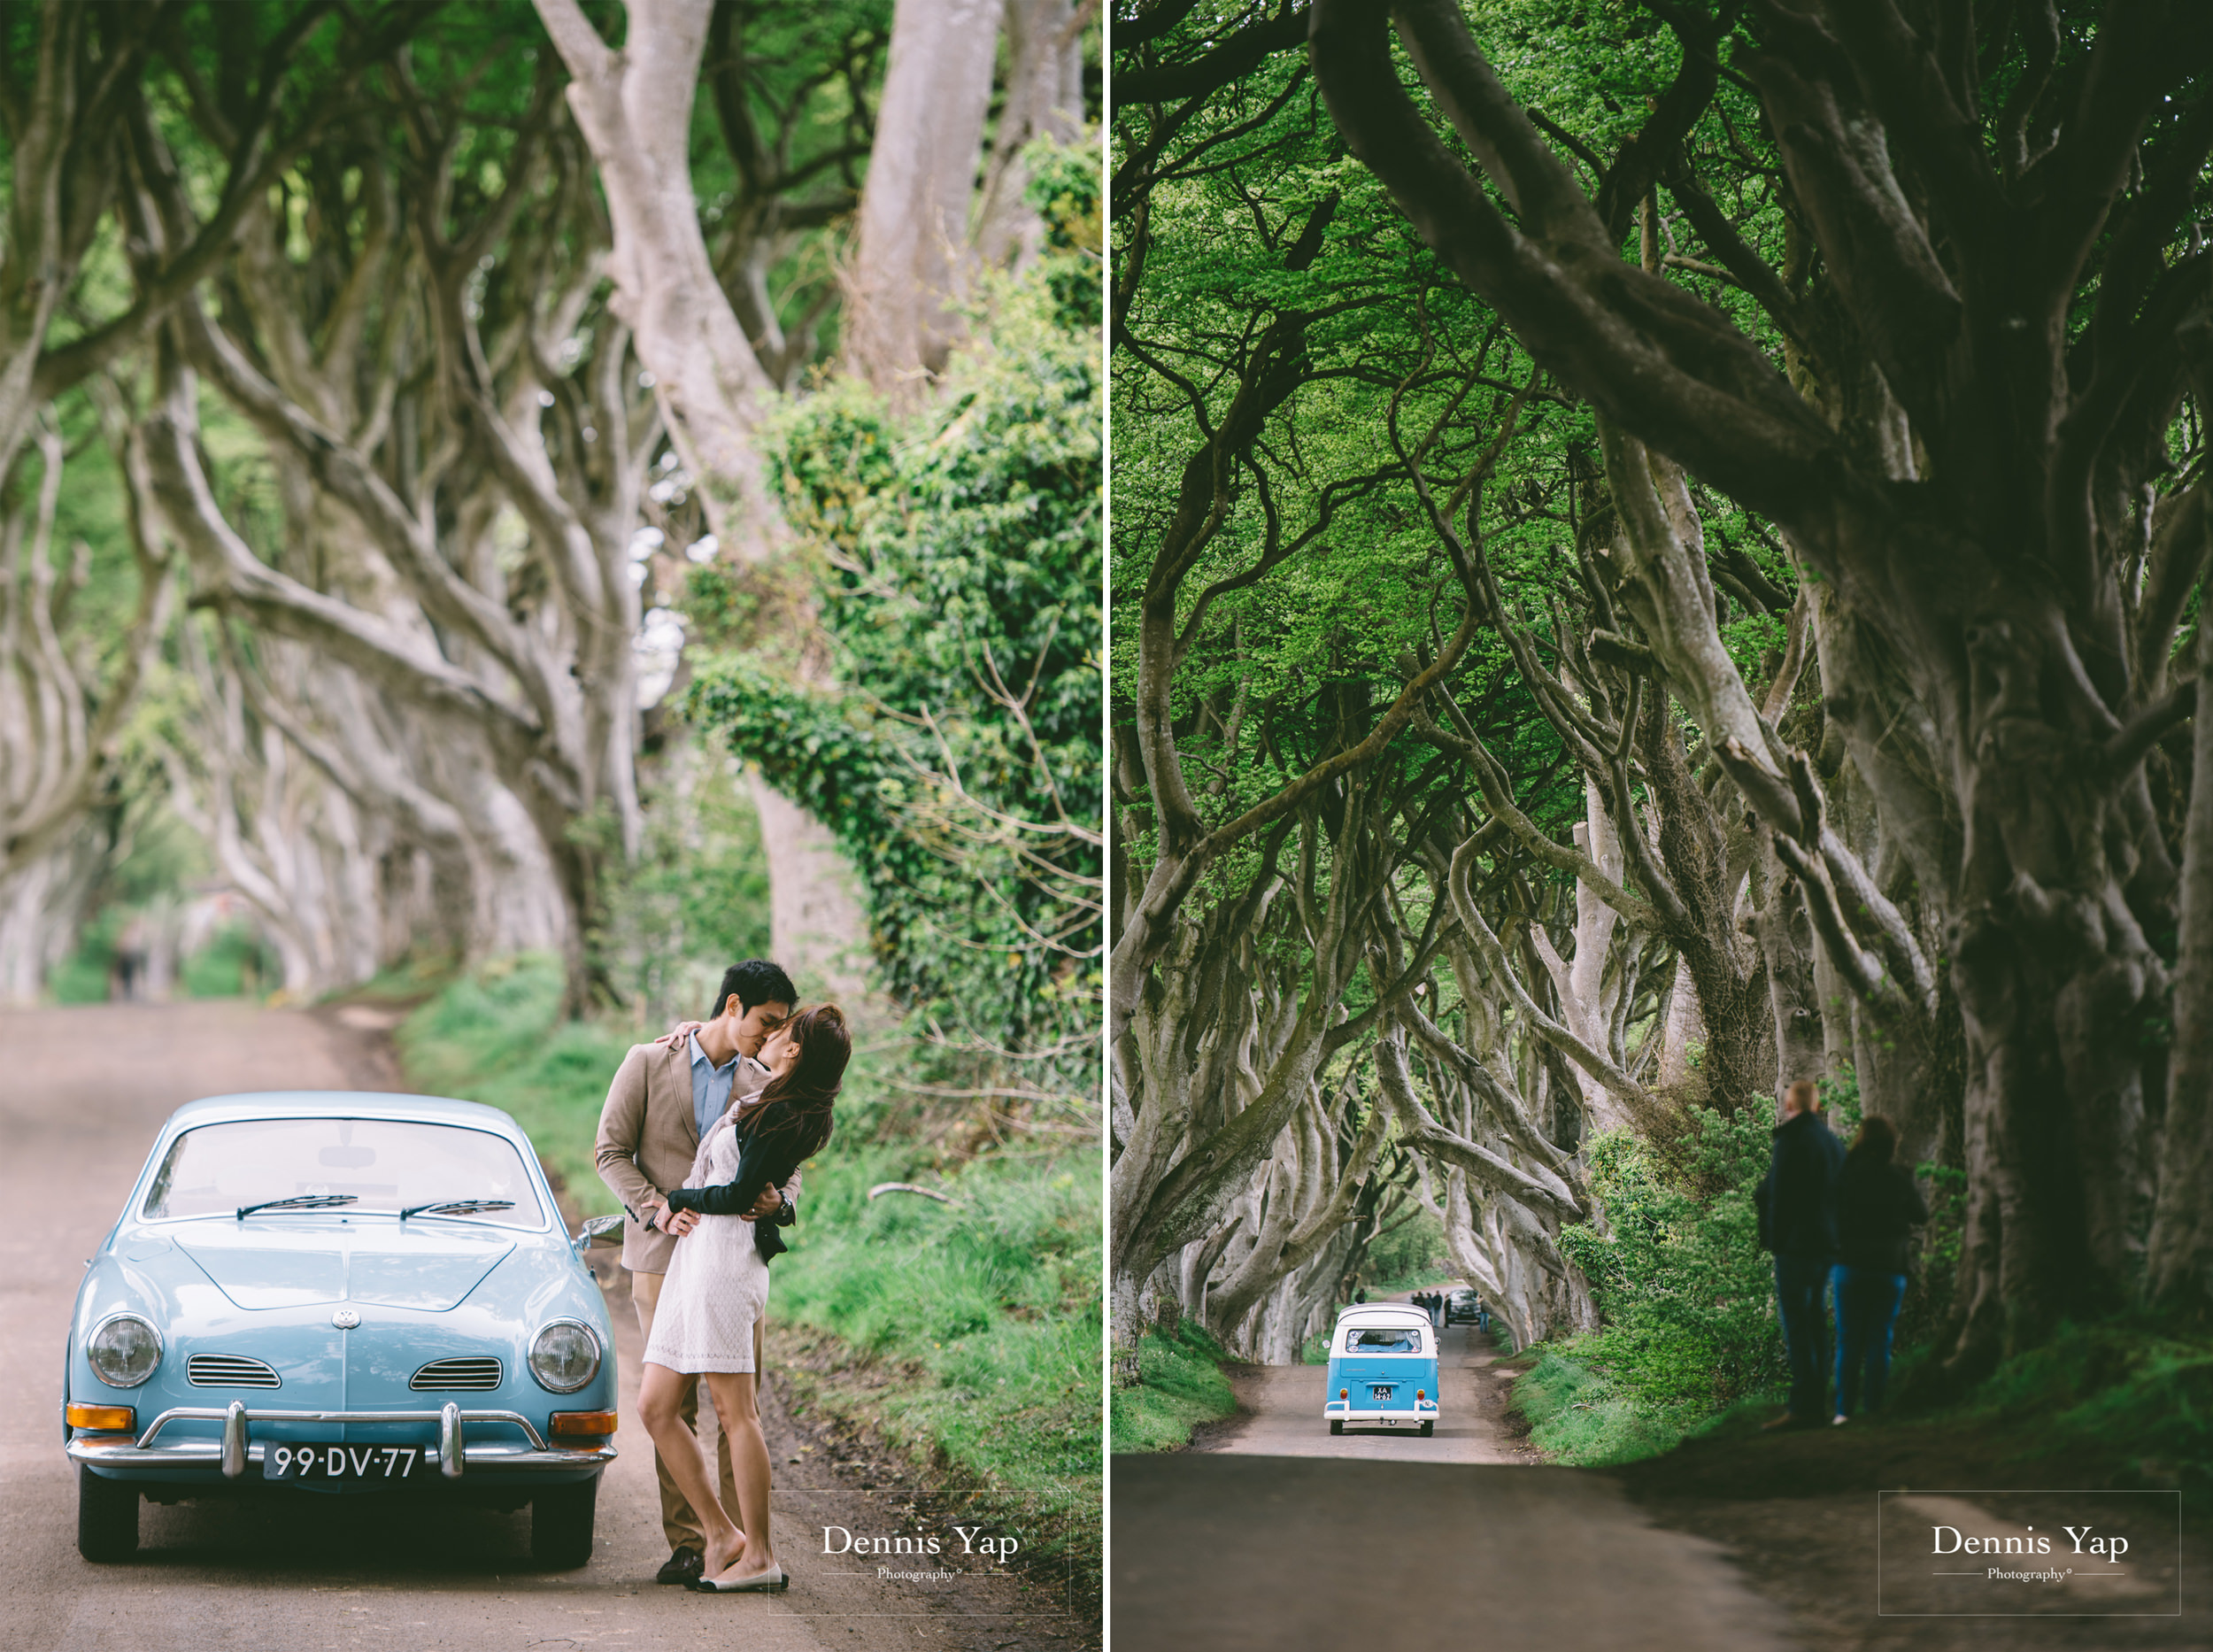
(2128, 1393)
(1180, 1386)
(2123, 1402)
(1576, 1417)
(965, 1334)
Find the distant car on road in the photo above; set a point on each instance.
(1463, 1307)
(1383, 1369)
(317, 1291)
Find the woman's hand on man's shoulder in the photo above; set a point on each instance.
(684, 1030)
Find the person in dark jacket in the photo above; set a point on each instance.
(1798, 1223)
(1877, 1207)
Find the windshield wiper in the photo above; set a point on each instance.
(457, 1207)
(299, 1201)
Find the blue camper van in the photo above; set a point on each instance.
(1383, 1369)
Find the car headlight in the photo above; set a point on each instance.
(124, 1350)
(565, 1355)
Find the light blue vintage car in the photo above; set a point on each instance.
(318, 1292)
(1383, 1369)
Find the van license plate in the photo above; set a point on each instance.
(1381, 1392)
(338, 1463)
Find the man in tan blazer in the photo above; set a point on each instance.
(664, 1096)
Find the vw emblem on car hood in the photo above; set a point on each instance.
(345, 1319)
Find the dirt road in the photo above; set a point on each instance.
(81, 1092)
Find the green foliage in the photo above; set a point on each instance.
(982, 1317)
(693, 900)
(153, 862)
(1242, 218)
(1064, 192)
(1935, 1277)
(237, 961)
(1840, 1101)
(496, 1035)
(813, 70)
(956, 756)
(717, 609)
(990, 1305)
(1684, 1289)
(1582, 1419)
(1180, 1386)
(2132, 1393)
(83, 976)
(1407, 1258)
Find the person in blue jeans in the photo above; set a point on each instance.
(1878, 1208)
(1797, 1203)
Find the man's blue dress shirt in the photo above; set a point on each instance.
(710, 1086)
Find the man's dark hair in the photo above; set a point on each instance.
(756, 980)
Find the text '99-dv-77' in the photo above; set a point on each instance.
(314, 1292)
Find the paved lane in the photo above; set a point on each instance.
(81, 1090)
(1274, 1535)
(1280, 1412)
(1251, 1553)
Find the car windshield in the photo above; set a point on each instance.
(386, 1165)
(1383, 1340)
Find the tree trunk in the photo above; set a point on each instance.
(2179, 1259)
(1044, 98)
(634, 107)
(1588, 992)
(817, 920)
(2055, 981)
(1681, 1031)
(1787, 945)
(911, 261)
(44, 905)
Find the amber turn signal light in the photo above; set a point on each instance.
(111, 1418)
(597, 1424)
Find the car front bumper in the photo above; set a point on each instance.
(129, 1457)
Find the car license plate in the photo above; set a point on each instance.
(1381, 1392)
(320, 1461)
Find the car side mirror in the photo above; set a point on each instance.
(600, 1231)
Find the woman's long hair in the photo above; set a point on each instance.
(1878, 1139)
(793, 1108)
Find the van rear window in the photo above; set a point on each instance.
(1383, 1340)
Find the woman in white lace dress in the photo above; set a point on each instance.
(717, 1289)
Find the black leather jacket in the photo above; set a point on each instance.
(759, 1168)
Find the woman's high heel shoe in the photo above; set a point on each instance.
(769, 1582)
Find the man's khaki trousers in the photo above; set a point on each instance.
(681, 1525)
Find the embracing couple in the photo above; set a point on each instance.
(701, 1139)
